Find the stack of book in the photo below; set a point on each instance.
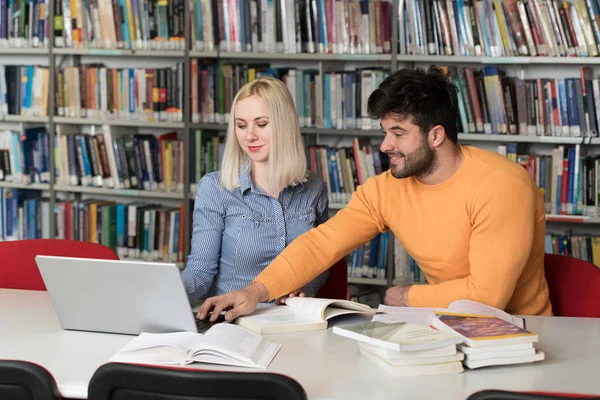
(488, 340)
(404, 349)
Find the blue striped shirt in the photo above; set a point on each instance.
(237, 234)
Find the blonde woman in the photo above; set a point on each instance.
(260, 200)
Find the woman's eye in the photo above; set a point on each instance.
(261, 125)
(241, 126)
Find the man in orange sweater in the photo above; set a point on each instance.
(473, 220)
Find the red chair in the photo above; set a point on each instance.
(574, 286)
(336, 285)
(18, 269)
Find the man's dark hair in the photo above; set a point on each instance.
(427, 99)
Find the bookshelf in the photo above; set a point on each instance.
(322, 62)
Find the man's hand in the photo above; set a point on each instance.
(397, 296)
(238, 302)
(297, 293)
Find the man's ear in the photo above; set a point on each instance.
(437, 135)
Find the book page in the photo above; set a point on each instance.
(315, 307)
(238, 344)
(473, 307)
(279, 315)
(413, 315)
(181, 340)
(158, 348)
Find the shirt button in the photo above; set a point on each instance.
(281, 240)
(268, 219)
(279, 220)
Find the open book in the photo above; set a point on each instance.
(223, 343)
(299, 314)
(425, 316)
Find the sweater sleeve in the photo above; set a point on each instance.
(503, 221)
(321, 247)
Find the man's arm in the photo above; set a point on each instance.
(203, 261)
(503, 218)
(318, 249)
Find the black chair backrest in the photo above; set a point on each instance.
(121, 381)
(22, 380)
(510, 395)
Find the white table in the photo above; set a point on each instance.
(326, 365)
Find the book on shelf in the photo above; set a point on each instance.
(224, 344)
(126, 24)
(119, 158)
(491, 102)
(24, 90)
(285, 26)
(499, 28)
(581, 246)
(25, 155)
(566, 178)
(95, 91)
(335, 99)
(134, 230)
(300, 314)
(24, 25)
(370, 260)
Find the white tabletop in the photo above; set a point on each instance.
(326, 365)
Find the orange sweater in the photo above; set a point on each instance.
(479, 235)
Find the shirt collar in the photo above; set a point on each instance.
(246, 183)
(246, 180)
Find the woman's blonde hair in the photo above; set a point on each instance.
(287, 159)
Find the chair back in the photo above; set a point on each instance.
(120, 381)
(22, 380)
(491, 394)
(336, 285)
(18, 269)
(574, 286)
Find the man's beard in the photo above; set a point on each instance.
(420, 163)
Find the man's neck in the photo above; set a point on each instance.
(448, 162)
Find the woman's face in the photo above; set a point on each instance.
(252, 128)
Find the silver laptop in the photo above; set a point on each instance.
(117, 296)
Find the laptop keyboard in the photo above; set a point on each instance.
(205, 324)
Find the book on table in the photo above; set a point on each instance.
(300, 314)
(414, 366)
(397, 336)
(425, 316)
(489, 340)
(224, 344)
